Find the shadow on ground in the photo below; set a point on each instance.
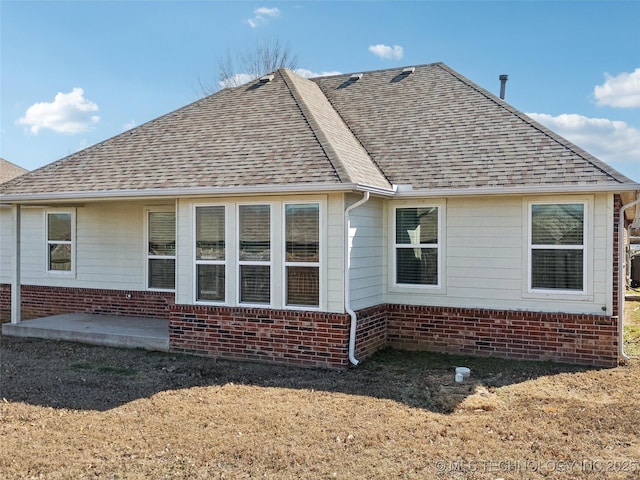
(84, 377)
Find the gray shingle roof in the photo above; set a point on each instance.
(255, 134)
(436, 129)
(431, 129)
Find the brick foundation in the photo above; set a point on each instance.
(319, 339)
(371, 334)
(5, 302)
(277, 336)
(567, 338)
(40, 301)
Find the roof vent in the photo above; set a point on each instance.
(503, 83)
(356, 76)
(266, 78)
(408, 70)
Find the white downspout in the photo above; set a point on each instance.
(622, 266)
(347, 280)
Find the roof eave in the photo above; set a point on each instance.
(520, 190)
(398, 191)
(155, 193)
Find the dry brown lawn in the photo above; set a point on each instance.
(75, 412)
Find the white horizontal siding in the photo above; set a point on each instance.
(6, 246)
(335, 253)
(485, 259)
(185, 251)
(484, 253)
(332, 244)
(368, 258)
(110, 250)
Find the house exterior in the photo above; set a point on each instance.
(315, 221)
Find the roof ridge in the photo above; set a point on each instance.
(315, 126)
(419, 65)
(586, 156)
(349, 158)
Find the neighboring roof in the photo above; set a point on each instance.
(10, 170)
(432, 129)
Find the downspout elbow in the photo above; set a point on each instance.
(347, 281)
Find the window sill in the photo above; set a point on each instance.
(418, 289)
(558, 295)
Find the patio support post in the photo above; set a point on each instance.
(15, 265)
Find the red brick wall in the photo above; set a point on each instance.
(321, 339)
(277, 336)
(5, 302)
(568, 338)
(371, 333)
(39, 301)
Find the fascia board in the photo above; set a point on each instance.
(190, 192)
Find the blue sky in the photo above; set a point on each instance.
(74, 73)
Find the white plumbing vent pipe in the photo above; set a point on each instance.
(462, 373)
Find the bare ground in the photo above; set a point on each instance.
(78, 411)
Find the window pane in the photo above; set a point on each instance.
(210, 233)
(162, 233)
(255, 284)
(161, 273)
(59, 226)
(417, 225)
(60, 257)
(211, 282)
(255, 232)
(302, 232)
(561, 269)
(417, 266)
(557, 224)
(302, 286)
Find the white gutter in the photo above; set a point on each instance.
(407, 192)
(194, 192)
(397, 191)
(622, 266)
(347, 286)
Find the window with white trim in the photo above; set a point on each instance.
(161, 250)
(60, 241)
(254, 254)
(211, 256)
(417, 234)
(302, 254)
(557, 256)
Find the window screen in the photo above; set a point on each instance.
(161, 250)
(210, 253)
(254, 253)
(59, 242)
(416, 245)
(557, 246)
(302, 254)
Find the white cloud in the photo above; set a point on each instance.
(262, 15)
(129, 125)
(68, 113)
(386, 52)
(235, 81)
(614, 142)
(304, 73)
(620, 91)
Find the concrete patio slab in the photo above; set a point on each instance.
(107, 330)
